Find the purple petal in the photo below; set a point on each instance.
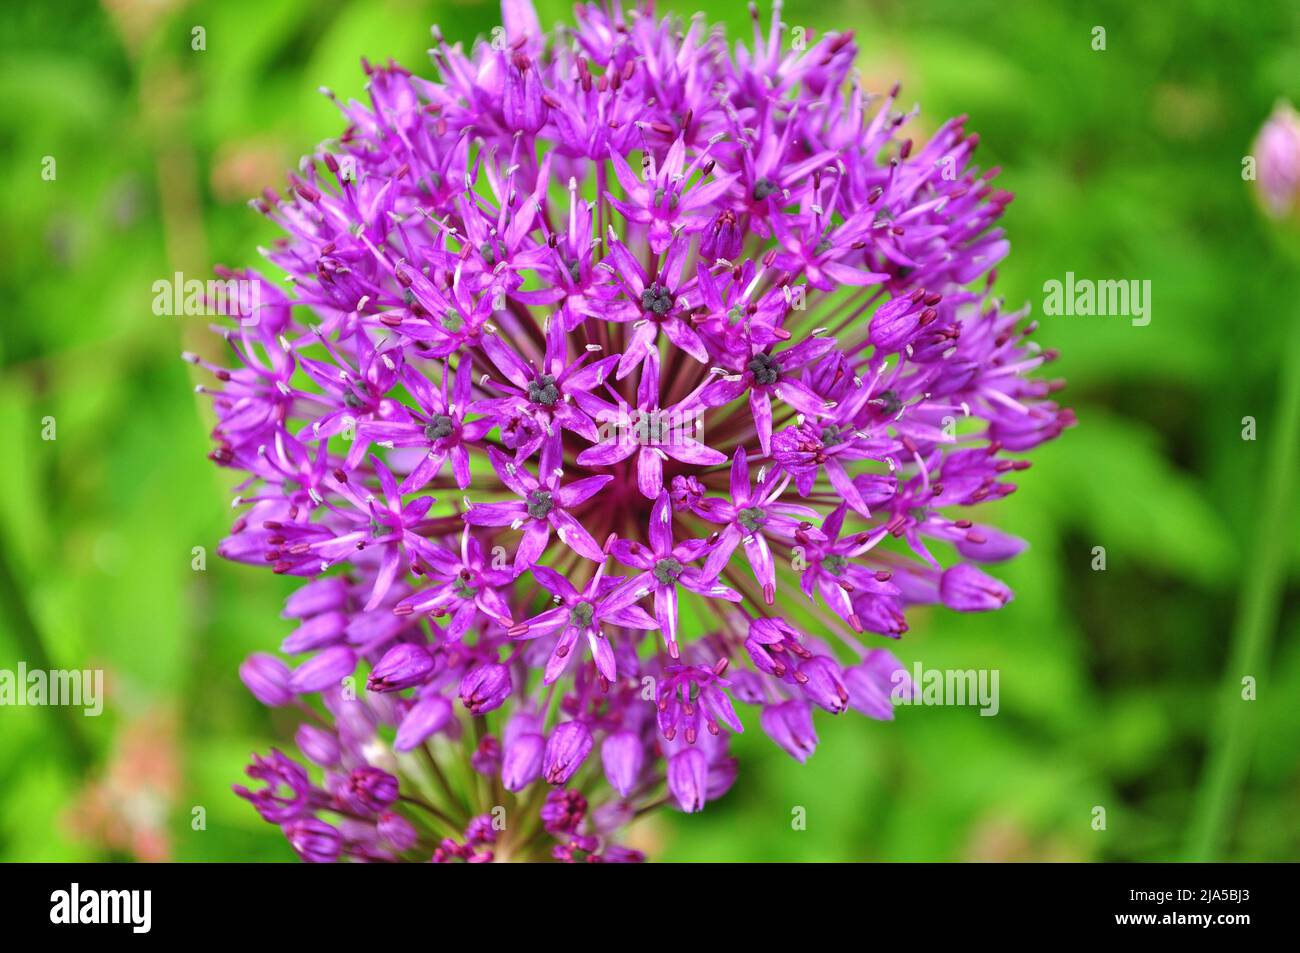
(688, 778)
(323, 671)
(566, 749)
(424, 719)
(623, 755)
(495, 514)
(661, 524)
(966, 589)
(580, 491)
(650, 473)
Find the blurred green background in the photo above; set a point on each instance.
(1126, 163)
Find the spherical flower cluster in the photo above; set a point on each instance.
(624, 378)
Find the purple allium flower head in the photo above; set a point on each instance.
(617, 362)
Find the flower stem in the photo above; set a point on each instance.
(449, 827)
(455, 803)
(1233, 729)
(32, 645)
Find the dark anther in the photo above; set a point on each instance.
(543, 390)
(765, 369)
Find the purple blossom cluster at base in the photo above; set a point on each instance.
(625, 377)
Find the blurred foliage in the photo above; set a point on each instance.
(1126, 164)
